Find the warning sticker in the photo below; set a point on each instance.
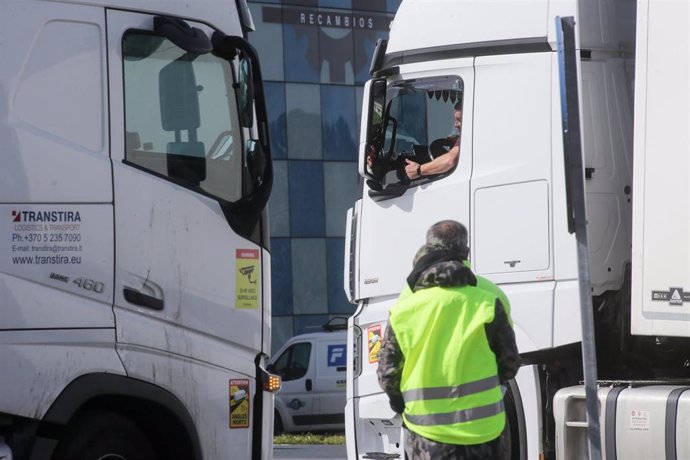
(639, 420)
(239, 403)
(248, 273)
(374, 342)
(674, 296)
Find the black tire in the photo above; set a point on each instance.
(511, 433)
(277, 424)
(100, 435)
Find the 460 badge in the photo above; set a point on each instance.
(85, 283)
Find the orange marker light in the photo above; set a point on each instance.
(272, 383)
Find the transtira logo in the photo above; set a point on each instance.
(46, 216)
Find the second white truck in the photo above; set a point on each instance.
(503, 64)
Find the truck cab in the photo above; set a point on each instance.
(134, 283)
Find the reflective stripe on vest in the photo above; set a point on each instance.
(460, 416)
(451, 392)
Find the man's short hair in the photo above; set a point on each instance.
(448, 234)
(458, 106)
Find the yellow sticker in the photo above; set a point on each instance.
(239, 403)
(374, 343)
(247, 277)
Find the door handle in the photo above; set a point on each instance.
(144, 300)
(307, 384)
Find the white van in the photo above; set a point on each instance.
(313, 368)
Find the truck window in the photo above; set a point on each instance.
(181, 115)
(421, 124)
(293, 363)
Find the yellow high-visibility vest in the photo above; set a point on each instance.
(450, 378)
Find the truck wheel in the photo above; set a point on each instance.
(101, 435)
(511, 433)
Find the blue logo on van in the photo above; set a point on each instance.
(336, 355)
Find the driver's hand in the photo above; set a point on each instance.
(411, 169)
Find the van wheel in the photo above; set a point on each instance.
(277, 424)
(100, 435)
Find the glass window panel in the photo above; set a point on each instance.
(268, 40)
(365, 42)
(281, 276)
(301, 50)
(341, 184)
(336, 3)
(275, 105)
(309, 276)
(310, 323)
(281, 331)
(336, 50)
(300, 2)
(306, 198)
(337, 302)
(393, 5)
(359, 91)
(278, 204)
(338, 122)
(181, 115)
(303, 104)
(369, 5)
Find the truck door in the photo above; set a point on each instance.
(411, 117)
(415, 124)
(188, 287)
(329, 381)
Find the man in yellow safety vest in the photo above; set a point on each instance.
(448, 348)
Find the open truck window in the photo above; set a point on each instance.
(411, 122)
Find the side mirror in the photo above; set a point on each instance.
(375, 130)
(256, 161)
(246, 93)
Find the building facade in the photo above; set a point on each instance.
(315, 58)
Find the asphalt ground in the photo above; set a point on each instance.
(309, 451)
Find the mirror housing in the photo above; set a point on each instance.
(256, 162)
(244, 214)
(188, 38)
(246, 93)
(373, 129)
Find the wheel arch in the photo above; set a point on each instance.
(154, 408)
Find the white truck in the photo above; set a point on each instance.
(134, 265)
(530, 95)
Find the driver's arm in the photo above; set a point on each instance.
(438, 165)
